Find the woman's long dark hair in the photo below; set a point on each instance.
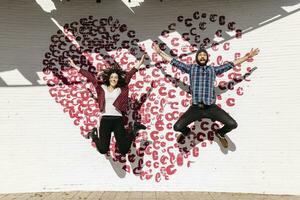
(114, 69)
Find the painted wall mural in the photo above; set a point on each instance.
(159, 93)
(48, 108)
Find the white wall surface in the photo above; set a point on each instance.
(42, 150)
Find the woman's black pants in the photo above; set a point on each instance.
(109, 124)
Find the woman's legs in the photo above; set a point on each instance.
(114, 124)
(123, 140)
(103, 142)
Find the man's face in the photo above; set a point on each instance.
(202, 58)
(113, 80)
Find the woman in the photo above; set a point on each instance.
(112, 94)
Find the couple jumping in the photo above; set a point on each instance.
(112, 92)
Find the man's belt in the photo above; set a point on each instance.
(201, 105)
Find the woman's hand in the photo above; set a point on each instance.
(72, 64)
(156, 48)
(140, 62)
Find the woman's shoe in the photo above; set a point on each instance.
(92, 134)
(138, 126)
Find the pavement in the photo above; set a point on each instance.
(112, 195)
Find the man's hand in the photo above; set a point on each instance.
(252, 53)
(161, 53)
(248, 55)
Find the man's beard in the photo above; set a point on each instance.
(199, 62)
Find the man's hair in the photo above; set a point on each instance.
(114, 69)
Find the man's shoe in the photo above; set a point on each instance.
(222, 140)
(180, 138)
(92, 134)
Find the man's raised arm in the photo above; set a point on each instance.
(180, 65)
(229, 65)
(248, 55)
(162, 54)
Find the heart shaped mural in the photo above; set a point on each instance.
(158, 93)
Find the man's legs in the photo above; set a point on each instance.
(194, 113)
(218, 114)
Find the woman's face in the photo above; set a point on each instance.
(113, 80)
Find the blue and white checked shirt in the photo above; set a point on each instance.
(202, 80)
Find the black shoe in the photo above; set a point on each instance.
(145, 143)
(138, 126)
(135, 129)
(180, 138)
(92, 134)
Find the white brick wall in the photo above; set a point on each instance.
(42, 150)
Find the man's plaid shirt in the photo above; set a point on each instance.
(202, 80)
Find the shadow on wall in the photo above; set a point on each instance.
(28, 28)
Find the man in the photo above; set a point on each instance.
(202, 77)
